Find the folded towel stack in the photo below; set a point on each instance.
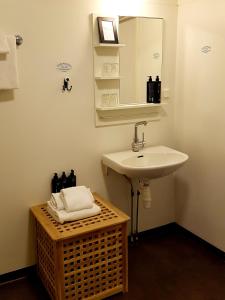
(72, 204)
(56, 201)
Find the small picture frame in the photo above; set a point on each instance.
(107, 30)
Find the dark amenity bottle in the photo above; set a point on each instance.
(55, 184)
(71, 180)
(157, 90)
(150, 90)
(63, 180)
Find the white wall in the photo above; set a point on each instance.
(44, 130)
(200, 119)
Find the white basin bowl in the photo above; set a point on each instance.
(151, 162)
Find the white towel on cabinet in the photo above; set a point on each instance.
(8, 66)
(62, 216)
(56, 201)
(77, 198)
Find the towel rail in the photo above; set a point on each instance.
(19, 40)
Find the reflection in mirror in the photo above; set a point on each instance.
(140, 58)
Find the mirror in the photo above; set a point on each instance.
(140, 58)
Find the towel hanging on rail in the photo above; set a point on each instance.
(4, 46)
(8, 66)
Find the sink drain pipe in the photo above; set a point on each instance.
(137, 214)
(142, 190)
(133, 235)
(145, 191)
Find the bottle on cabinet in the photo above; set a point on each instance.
(55, 184)
(71, 179)
(63, 180)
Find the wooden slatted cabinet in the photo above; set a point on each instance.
(84, 259)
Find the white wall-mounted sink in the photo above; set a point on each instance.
(151, 162)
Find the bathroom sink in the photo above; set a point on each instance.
(151, 162)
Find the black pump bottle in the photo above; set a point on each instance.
(157, 90)
(71, 180)
(63, 180)
(150, 90)
(55, 184)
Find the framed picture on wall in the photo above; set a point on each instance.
(107, 30)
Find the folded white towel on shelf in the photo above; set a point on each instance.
(8, 67)
(4, 46)
(62, 216)
(77, 198)
(56, 201)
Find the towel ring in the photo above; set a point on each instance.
(19, 40)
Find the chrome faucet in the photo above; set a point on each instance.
(138, 144)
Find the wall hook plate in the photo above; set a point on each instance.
(206, 49)
(66, 85)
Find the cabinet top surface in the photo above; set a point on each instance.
(110, 215)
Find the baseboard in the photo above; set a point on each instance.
(176, 228)
(18, 274)
(164, 229)
(199, 239)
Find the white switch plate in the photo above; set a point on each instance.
(166, 93)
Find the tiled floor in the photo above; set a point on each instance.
(168, 264)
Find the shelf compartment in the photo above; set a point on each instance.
(130, 106)
(107, 77)
(105, 45)
(130, 113)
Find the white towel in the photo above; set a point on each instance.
(4, 46)
(77, 198)
(62, 216)
(56, 201)
(8, 67)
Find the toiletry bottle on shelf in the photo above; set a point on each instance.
(150, 90)
(71, 180)
(55, 184)
(63, 180)
(157, 90)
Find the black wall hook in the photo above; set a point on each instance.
(66, 84)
